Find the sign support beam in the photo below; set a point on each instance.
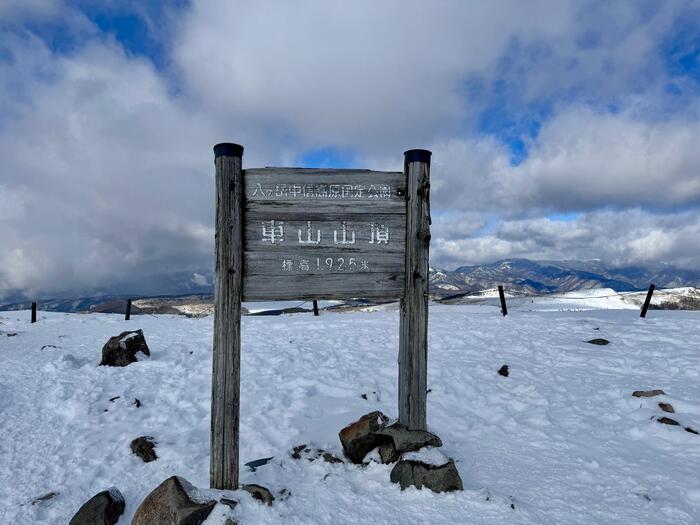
(413, 332)
(228, 283)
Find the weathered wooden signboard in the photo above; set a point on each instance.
(293, 233)
(323, 234)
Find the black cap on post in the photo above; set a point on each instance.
(227, 149)
(417, 155)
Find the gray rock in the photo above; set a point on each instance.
(259, 492)
(667, 407)
(667, 421)
(442, 478)
(648, 393)
(144, 447)
(388, 453)
(121, 349)
(361, 437)
(44, 497)
(103, 508)
(256, 463)
(173, 502)
(401, 440)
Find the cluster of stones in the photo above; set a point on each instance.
(175, 501)
(665, 407)
(372, 437)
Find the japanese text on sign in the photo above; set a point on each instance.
(322, 191)
(273, 231)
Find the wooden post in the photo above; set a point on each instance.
(127, 316)
(504, 308)
(316, 308)
(647, 301)
(413, 335)
(33, 312)
(225, 409)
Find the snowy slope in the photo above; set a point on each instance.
(561, 438)
(579, 300)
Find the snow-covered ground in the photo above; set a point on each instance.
(593, 299)
(561, 439)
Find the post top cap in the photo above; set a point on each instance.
(227, 149)
(417, 155)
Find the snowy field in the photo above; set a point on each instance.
(561, 439)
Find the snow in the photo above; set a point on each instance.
(561, 438)
(582, 300)
(428, 456)
(256, 307)
(127, 337)
(115, 494)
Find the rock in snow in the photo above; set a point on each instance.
(121, 349)
(259, 492)
(667, 421)
(401, 440)
(312, 454)
(648, 393)
(441, 478)
(361, 437)
(503, 371)
(44, 497)
(144, 447)
(173, 502)
(103, 508)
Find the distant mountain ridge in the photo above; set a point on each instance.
(537, 277)
(523, 276)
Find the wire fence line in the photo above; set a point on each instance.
(520, 300)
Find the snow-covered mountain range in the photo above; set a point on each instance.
(537, 277)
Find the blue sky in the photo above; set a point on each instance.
(559, 129)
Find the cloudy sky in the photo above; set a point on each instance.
(559, 130)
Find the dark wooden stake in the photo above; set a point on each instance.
(413, 331)
(504, 308)
(315, 307)
(228, 284)
(33, 312)
(647, 301)
(127, 316)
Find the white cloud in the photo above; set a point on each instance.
(114, 175)
(106, 173)
(369, 76)
(582, 159)
(620, 238)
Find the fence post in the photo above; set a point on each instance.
(504, 308)
(316, 308)
(228, 284)
(127, 316)
(413, 331)
(647, 301)
(33, 312)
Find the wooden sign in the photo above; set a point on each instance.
(309, 234)
(323, 234)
